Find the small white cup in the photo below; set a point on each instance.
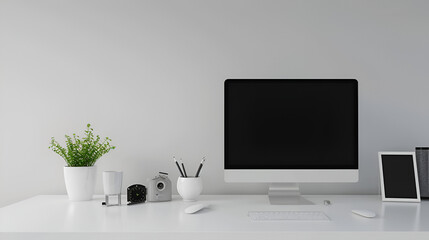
(189, 188)
(112, 182)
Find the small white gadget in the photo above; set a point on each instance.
(364, 213)
(195, 208)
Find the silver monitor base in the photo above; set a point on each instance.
(286, 194)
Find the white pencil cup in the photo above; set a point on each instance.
(189, 188)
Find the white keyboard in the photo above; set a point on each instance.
(288, 215)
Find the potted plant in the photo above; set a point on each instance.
(80, 156)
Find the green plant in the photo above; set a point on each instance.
(82, 152)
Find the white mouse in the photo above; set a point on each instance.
(195, 208)
(364, 213)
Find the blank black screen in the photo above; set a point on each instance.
(291, 124)
(398, 176)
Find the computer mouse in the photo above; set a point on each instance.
(364, 213)
(195, 208)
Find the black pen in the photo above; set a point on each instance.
(184, 170)
(199, 168)
(177, 164)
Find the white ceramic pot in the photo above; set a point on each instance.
(189, 188)
(80, 182)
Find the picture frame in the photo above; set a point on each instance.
(398, 177)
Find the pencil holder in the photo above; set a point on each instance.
(189, 188)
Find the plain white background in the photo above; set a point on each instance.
(149, 75)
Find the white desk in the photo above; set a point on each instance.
(53, 216)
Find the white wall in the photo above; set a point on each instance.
(149, 74)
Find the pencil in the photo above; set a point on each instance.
(177, 164)
(201, 166)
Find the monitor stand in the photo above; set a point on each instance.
(286, 194)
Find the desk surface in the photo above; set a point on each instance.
(227, 213)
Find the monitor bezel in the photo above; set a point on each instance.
(342, 173)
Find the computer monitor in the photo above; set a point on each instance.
(290, 131)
